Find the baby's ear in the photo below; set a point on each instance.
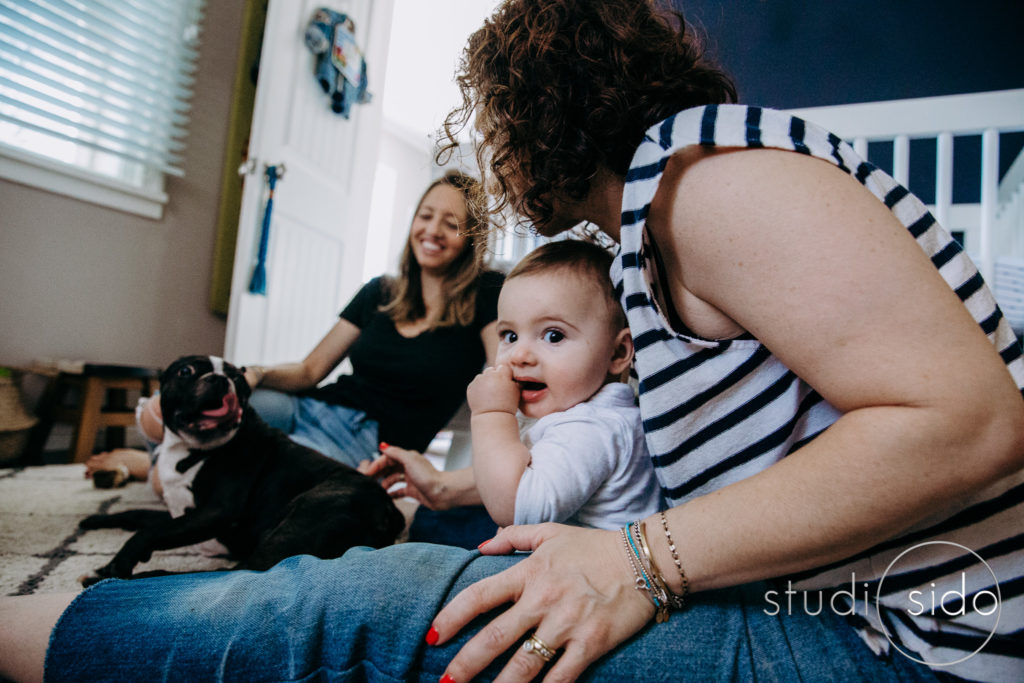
(622, 354)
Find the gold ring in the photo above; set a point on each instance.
(536, 646)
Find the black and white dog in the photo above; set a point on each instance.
(228, 476)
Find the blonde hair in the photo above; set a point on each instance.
(460, 282)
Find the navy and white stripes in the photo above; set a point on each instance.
(716, 412)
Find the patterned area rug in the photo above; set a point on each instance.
(41, 547)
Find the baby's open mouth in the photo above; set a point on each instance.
(526, 385)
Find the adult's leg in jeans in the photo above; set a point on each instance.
(343, 434)
(365, 616)
(362, 616)
(277, 408)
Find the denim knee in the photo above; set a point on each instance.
(277, 408)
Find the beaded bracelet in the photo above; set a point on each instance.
(675, 557)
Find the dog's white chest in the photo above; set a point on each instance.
(177, 485)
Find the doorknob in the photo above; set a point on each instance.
(279, 169)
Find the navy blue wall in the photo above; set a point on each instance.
(806, 53)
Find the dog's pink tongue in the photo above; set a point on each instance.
(227, 405)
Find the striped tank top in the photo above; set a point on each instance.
(948, 593)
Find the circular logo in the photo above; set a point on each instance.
(923, 604)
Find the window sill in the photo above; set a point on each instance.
(53, 176)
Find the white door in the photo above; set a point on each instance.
(321, 204)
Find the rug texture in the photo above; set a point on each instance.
(41, 547)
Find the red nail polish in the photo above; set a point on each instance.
(432, 636)
(484, 543)
(383, 446)
(446, 679)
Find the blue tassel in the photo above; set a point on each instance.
(258, 283)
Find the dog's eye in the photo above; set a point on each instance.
(186, 371)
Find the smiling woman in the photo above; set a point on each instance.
(415, 341)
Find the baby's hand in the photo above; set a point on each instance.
(493, 390)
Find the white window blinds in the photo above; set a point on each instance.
(100, 85)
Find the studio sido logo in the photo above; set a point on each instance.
(947, 602)
(965, 594)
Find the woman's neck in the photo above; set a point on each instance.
(603, 204)
(432, 291)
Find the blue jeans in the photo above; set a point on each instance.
(364, 617)
(341, 433)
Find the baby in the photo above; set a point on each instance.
(563, 348)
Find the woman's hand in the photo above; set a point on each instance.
(254, 375)
(422, 480)
(575, 593)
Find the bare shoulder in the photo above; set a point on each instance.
(727, 206)
(701, 183)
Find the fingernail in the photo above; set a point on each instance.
(484, 543)
(432, 637)
(446, 679)
(383, 446)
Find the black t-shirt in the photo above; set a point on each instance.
(410, 386)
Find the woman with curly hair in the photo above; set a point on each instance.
(831, 398)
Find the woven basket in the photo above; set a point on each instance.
(15, 423)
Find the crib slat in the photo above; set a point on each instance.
(989, 199)
(901, 159)
(943, 178)
(860, 146)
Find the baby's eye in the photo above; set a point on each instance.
(553, 336)
(508, 336)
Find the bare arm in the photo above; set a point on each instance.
(293, 377)
(499, 457)
(801, 255)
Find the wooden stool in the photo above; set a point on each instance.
(102, 403)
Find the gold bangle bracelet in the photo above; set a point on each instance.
(657, 577)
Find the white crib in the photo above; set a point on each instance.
(994, 227)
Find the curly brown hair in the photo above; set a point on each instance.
(560, 88)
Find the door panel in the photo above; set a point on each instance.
(321, 204)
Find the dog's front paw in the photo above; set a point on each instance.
(89, 579)
(107, 571)
(100, 521)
